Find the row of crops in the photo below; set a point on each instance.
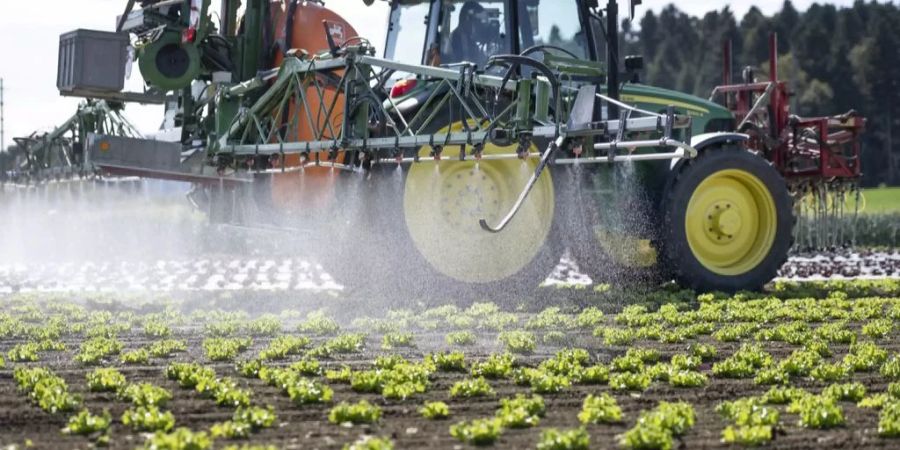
(651, 370)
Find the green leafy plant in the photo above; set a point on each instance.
(748, 411)
(685, 362)
(478, 431)
(225, 349)
(26, 352)
(48, 390)
(818, 412)
(705, 352)
(598, 374)
(341, 375)
(105, 380)
(139, 356)
(572, 439)
(865, 357)
(615, 336)
(461, 338)
(146, 394)
(179, 439)
(495, 366)
(830, 372)
(356, 413)
(318, 323)
(95, 349)
(85, 423)
(601, 408)
(166, 348)
(265, 325)
(307, 366)
(875, 401)
(304, 391)
(282, 346)
(655, 429)
(628, 381)
(521, 411)
(878, 328)
(244, 422)
(589, 317)
(543, 382)
(391, 340)
(889, 420)
(891, 368)
(852, 392)
(782, 395)
(371, 443)
(518, 341)
(454, 361)
(435, 410)
(687, 379)
(747, 435)
(188, 375)
(472, 387)
(148, 418)
(157, 328)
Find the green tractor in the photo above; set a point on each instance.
(722, 220)
(486, 141)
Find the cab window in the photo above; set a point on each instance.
(408, 29)
(473, 31)
(551, 22)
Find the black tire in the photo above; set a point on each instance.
(678, 255)
(587, 213)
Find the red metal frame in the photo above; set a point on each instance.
(800, 147)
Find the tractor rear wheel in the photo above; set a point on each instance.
(429, 224)
(728, 221)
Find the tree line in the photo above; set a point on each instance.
(835, 59)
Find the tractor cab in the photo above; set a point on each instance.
(448, 32)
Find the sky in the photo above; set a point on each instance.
(29, 39)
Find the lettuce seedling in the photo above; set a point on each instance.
(495, 366)
(148, 418)
(146, 394)
(478, 431)
(105, 380)
(391, 340)
(180, 438)
(601, 408)
(454, 361)
(85, 423)
(435, 410)
(851, 392)
(461, 338)
(472, 387)
(572, 439)
(629, 381)
(889, 420)
(518, 341)
(356, 413)
(747, 435)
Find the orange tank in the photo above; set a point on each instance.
(314, 187)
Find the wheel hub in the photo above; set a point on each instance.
(723, 222)
(730, 222)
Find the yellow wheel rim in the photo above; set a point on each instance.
(731, 222)
(443, 202)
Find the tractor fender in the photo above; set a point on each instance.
(702, 142)
(708, 140)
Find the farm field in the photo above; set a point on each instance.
(882, 200)
(802, 365)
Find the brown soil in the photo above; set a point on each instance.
(307, 427)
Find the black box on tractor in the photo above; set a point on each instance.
(92, 61)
